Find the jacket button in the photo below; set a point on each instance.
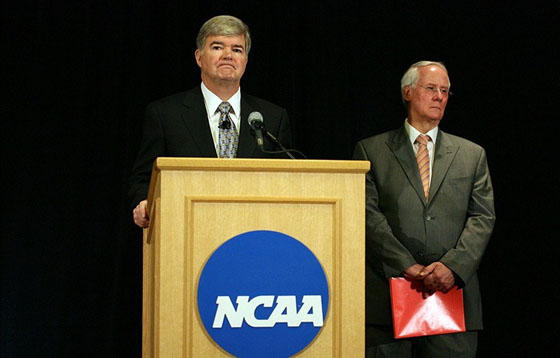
(428, 217)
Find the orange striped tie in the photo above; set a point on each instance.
(423, 160)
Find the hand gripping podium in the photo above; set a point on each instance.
(198, 204)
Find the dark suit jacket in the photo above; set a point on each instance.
(453, 227)
(177, 126)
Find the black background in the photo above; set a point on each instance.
(77, 76)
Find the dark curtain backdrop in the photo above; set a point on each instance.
(77, 76)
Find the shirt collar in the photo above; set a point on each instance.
(213, 101)
(413, 133)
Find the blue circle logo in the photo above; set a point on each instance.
(263, 294)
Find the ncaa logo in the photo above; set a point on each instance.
(263, 294)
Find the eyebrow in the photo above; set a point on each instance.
(435, 84)
(222, 43)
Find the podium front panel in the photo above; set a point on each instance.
(198, 209)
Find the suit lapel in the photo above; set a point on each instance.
(402, 149)
(247, 144)
(444, 154)
(196, 120)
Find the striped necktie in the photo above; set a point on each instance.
(423, 160)
(228, 137)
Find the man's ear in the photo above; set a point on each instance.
(197, 55)
(407, 93)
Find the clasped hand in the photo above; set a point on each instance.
(435, 277)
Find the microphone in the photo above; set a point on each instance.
(256, 122)
(257, 125)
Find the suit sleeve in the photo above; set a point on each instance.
(465, 257)
(384, 252)
(152, 146)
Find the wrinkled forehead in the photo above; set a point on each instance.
(237, 40)
(232, 40)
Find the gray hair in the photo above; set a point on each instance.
(410, 77)
(223, 25)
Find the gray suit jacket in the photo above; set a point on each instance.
(453, 227)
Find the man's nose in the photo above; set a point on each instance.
(227, 52)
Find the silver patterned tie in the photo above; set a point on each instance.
(228, 138)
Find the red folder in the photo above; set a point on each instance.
(415, 316)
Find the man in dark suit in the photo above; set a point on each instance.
(429, 216)
(211, 119)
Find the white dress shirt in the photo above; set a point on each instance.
(212, 102)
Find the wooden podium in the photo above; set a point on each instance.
(196, 204)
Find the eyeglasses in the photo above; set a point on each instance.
(445, 92)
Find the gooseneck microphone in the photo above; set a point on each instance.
(256, 122)
(258, 129)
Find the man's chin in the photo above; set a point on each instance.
(229, 77)
(436, 115)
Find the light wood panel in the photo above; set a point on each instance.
(197, 204)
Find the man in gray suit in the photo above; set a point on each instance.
(429, 216)
(210, 120)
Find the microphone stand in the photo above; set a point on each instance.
(274, 140)
(279, 145)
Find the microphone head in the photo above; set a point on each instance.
(256, 120)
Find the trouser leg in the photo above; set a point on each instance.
(380, 343)
(454, 345)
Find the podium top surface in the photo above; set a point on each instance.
(262, 165)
